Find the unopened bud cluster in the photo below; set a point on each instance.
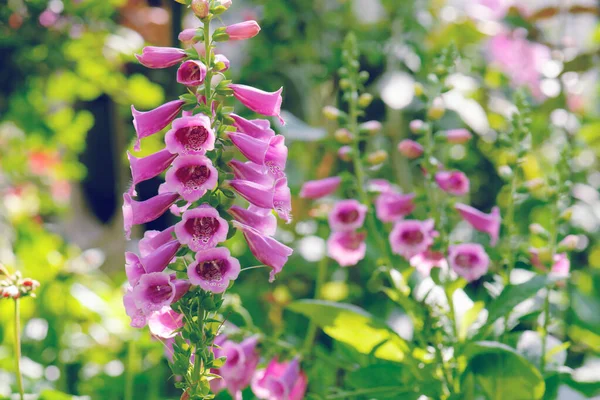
(15, 286)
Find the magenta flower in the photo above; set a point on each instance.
(187, 35)
(453, 182)
(148, 167)
(147, 123)
(347, 248)
(253, 149)
(266, 249)
(160, 57)
(427, 260)
(561, 265)
(347, 215)
(458, 136)
(140, 212)
(156, 261)
(276, 157)
(257, 194)
(192, 176)
(410, 149)
(191, 73)
(259, 101)
(468, 260)
(190, 135)
(138, 318)
(320, 188)
(280, 381)
(133, 268)
(213, 269)
(224, 61)
(282, 200)
(252, 172)
(412, 237)
(391, 206)
(487, 223)
(243, 30)
(157, 290)
(152, 240)
(258, 128)
(165, 323)
(238, 370)
(260, 219)
(379, 185)
(201, 228)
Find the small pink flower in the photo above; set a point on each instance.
(412, 237)
(347, 215)
(148, 167)
(201, 228)
(320, 188)
(253, 149)
(370, 127)
(379, 185)
(190, 135)
(48, 18)
(424, 262)
(410, 149)
(157, 290)
(391, 206)
(243, 30)
(458, 136)
(453, 182)
(560, 268)
(276, 196)
(280, 381)
(165, 322)
(140, 212)
(213, 269)
(259, 101)
(252, 172)
(152, 240)
(257, 128)
(187, 35)
(347, 248)
(468, 260)
(260, 219)
(147, 123)
(138, 318)
(487, 223)
(191, 73)
(221, 59)
(156, 261)
(160, 57)
(192, 176)
(239, 368)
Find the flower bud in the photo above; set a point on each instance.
(243, 30)
(569, 243)
(201, 8)
(419, 90)
(343, 136)
(417, 126)
(566, 215)
(377, 157)
(345, 153)
(332, 113)
(437, 109)
(365, 99)
(345, 83)
(458, 136)
(538, 230)
(410, 149)
(370, 128)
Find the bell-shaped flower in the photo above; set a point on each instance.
(250, 171)
(347, 215)
(260, 219)
(165, 323)
(141, 212)
(187, 35)
(253, 149)
(266, 249)
(190, 135)
(259, 101)
(192, 176)
(257, 128)
(453, 182)
(487, 223)
(468, 260)
(147, 123)
(191, 73)
(412, 237)
(282, 200)
(156, 261)
(410, 149)
(243, 30)
(157, 290)
(201, 228)
(320, 188)
(280, 381)
(258, 194)
(426, 261)
(276, 157)
(391, 206)
(347, 248)
(213, 269)
(160, 57)
(148, 167)
(152, 240)
(240, 366)
(138, 317)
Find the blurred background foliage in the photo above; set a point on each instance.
(68, 77)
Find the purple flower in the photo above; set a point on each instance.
(391, 206)
(259, 101)
(487, 223)
(410, 149)
(157, 290)
(192, 176)
(191, 73)
(257, 128)
(165, 322)
(280, 381)
(347, 215)
(190, 135)
(147, 123)
(148, 167)
(160, 57)
(427, 260)
(266, 249)
(468, 260)
(243, 30)
(201, 228)
(260, 219)
(156, 261)
(320, 188)
(250, 171)
(347, 248)
(187, 35)
(276, 196)
(458, 136)
(138, 318)
(282, 200)
(240, 366)
(453, 182)
(140, 212)
(276, 157)
(253, 149)
(152, 240)
(213, 269)
(412, 237)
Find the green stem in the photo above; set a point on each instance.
(131, 358)
(18, 350)
(312, 327)
(208, 62)
(396, 390)
(552, 245)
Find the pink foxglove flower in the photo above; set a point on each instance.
(347, 248)
(156, 261)
(253, 149)
(190, 135)
(379, 185)
(160, 57)
(487, 223)
(412, 237)
(213, 269)
(222, 61)
(424, 262)
(391, 206)
(165, 322)
(201, 228)
(320, 188)
(453, 182)
(258, 128)
(240, 366)
(243, 30)
(410, 149)
(191, 73)
(560, 267)
(138, 318)
(192, 176)
(458, 136)
(282, 200)
(148, 167)
(152, 240)
(276, 157)
(259, 101)
(157, 290)
(266, 249)
(258, 194)
(280, 381)
(260, 219)
(187, 35)
(140, 212)
(252, 172)
(347, 215)
(468, 260)
(147, 123)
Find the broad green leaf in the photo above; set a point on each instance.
(385, 375)
(354, 326)
(54, 395)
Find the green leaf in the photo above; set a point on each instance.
(501, 373)
(54, 395)
(383, 375)
(469, 318)
(354, 326)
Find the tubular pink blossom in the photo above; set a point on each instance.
(157, 261)
(240, 366)
(320, 188)
(347, 248)
(257, 194)
(201, 228)
(258, 128)
(347, 215)
(410, 149)
(191, 73)
(140, 212)
(412, 237)
(468, 260)
(192, 176)
(250, 171)
(213, 269)
(458, 136)
(243, 30)
(391, 206)
(487, 223)
(260, 219)
(276, 157)
(280, 381)
(165, 322)
(138, 318)
(426, 261)
(147, 123)
(148, 167)
(187, 35)
(190, 135)
(160, 57)
(152, 240)
(153, 292)
(259, 101)
(453, 182)
(253, 149)
(282, 200)
(133, 268)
